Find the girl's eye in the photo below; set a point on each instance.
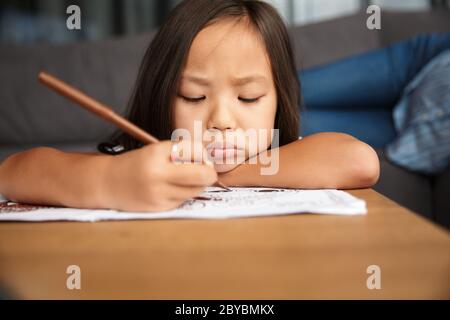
(192, 99)
(248, 100)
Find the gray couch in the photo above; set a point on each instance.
(32, 115)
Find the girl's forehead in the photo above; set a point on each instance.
(228, 44)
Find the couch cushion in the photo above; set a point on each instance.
(441, 198)
(32, 113)
(7, 150)
(408, 188)
(397, 26)
(326, 41)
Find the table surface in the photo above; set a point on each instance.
(280, 257)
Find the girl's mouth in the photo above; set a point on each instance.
(223, 151)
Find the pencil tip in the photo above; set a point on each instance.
(223, 186)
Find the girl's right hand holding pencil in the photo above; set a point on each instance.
(153, 178)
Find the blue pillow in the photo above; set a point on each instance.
(422, 118)
(374, 127)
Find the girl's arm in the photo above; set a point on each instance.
(48, 176)
(140, 180)
(322, 160)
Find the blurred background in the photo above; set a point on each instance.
(31, 21)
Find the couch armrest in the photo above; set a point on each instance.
(441, 198)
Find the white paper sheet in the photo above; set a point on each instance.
(240, 202)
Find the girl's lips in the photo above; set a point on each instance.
(222, 145)
(223, 153)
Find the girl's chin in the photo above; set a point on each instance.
(221, 168)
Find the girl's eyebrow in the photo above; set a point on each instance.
(238, 81)
(252, 78)
(198, 80)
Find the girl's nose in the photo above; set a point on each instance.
(222, 118)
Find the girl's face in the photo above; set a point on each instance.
(227, 85)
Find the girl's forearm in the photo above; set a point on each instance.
(52, 177)
(323, 160)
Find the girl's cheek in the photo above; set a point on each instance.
(184, 116)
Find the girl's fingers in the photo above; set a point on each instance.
(191, 174)
(182, 193)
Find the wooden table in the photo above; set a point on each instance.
(284, 257)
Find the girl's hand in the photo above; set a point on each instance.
(147, 180)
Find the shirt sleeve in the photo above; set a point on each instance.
(110, 148)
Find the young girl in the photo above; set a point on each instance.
(228, 66)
